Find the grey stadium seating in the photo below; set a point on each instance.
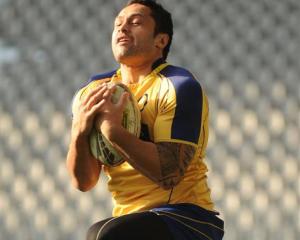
(246, 54)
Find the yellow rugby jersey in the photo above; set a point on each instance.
(174, 108)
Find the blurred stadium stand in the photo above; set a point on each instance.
(246, 55)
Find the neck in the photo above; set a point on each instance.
(135, 73)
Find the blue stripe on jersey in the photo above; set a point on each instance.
(188, 113)
(102, 75)
(98, 77)
(94, 78)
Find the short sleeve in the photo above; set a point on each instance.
(179, 116)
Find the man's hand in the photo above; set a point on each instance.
(111, 115)
(82, 166)
(88, 108)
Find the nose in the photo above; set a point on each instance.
(123, 27)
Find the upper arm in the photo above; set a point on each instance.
(178, 126)
(179, 114)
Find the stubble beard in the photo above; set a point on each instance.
(123, 53)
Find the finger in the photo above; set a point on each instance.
(91, 92)
(103, 93)
(97, 108)
(108, 95)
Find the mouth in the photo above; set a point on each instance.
(123, 39)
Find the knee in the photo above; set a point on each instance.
(92, 232)
(102, 231)
(108, 231)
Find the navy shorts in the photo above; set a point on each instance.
(191, 222)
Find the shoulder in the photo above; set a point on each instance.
(97, 77)
(101, 76)
(182, 80)
(93, 81)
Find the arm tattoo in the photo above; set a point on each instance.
(174, 159)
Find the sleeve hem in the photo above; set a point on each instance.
(175, 141)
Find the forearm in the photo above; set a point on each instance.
(141, 155)
(82, 166)
(164, 163)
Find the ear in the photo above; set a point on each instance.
(161, 40)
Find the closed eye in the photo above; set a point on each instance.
(136, 23)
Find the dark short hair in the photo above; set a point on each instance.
(162, 18)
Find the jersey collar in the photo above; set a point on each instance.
(158, 62)
(157, 66)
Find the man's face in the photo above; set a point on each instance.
(133, 34)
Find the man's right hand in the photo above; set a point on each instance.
(87, 107)
(84, 169)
